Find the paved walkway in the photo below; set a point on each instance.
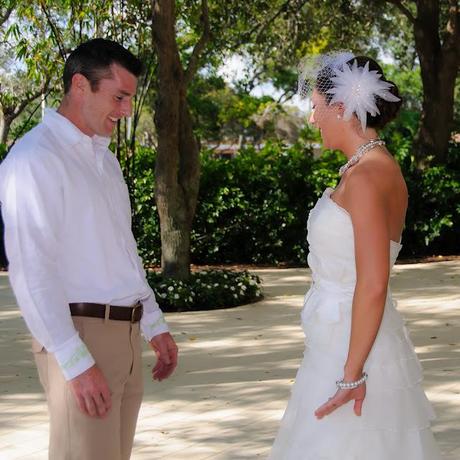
(236, 368)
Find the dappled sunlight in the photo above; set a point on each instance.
(236, 369)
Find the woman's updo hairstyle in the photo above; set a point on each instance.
(388, 110)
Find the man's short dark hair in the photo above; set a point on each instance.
(93, 59)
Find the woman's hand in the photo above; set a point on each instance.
(341, 398)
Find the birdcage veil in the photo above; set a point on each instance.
(340, 79)
(311, 67)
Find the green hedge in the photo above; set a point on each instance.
(253, 208)
(206, 290)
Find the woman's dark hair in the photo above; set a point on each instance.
(388, 110)
(93, 60)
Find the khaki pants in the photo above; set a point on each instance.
(116, 348)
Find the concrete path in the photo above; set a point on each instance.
(236, 369)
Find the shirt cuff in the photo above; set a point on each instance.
(152, 324)
(73, 357)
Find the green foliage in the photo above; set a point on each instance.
(410, 85)
(36, 38)
(3, 150)
(253, 208)
(146, 225)
(206, 290)
(221, 112)
(433, 216)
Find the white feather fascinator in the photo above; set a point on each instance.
(357, 88)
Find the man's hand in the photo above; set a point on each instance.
(92, 392)
(166, 350)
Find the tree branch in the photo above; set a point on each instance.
(4, 17)
(262, 26)
(453, 23)
(251, 85)
(282, 9)
(404, 10)
(29, 98)
(283, 99)
(149, 74)
(200, 45)
(19, 134)
(54, 29)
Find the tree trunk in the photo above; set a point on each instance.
(3, 259)
(3, 127)
(177, 165)
(439, 63)
(5, 130)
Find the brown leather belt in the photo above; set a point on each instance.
(97, 310)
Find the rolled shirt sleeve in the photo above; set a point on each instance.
(32, 206)
(153, 322)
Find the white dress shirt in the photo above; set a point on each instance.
(68, 236)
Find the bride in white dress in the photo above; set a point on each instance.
(357, 394)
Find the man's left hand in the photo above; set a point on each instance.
(165, 348)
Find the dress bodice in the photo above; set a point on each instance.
(331, 243)
(331, 259)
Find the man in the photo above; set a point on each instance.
(73, 261)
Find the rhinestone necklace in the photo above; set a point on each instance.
(362, 149)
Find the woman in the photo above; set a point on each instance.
(357, 394)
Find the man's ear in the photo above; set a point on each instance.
(80, 83)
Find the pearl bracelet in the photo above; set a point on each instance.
(342, 385)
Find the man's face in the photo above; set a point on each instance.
(101, 109)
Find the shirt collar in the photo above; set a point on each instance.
(69, 132)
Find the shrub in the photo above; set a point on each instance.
(433, 215)
(3, 150)
(146, 223)
(253, 208)
(205, 290)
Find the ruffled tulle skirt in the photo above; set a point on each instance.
(396, 415)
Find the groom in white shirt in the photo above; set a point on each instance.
(73, 261)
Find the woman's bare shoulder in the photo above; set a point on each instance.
(378, 171)
(377, 181)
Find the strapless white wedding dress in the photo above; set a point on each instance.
(395, 420)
